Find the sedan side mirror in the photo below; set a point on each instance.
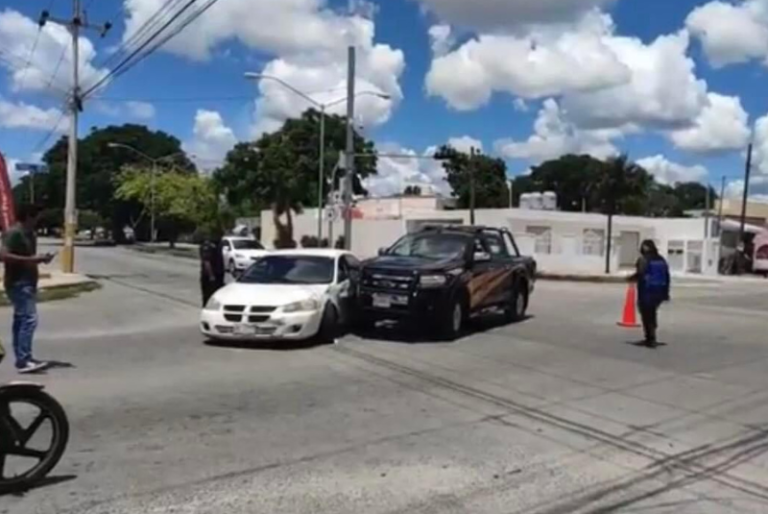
(383, 251)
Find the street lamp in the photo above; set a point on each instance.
(152, 178)
(323, 108)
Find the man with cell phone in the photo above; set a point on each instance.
(19, 253)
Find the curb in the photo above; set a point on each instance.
(593, 279)
(59, 292)
(182, 254)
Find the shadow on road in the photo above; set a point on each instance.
(392, 332)
(45, 482)
(274, 346)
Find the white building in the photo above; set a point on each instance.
(560, 241)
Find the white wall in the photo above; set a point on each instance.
(567, 235)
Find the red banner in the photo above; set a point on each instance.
(7, 209)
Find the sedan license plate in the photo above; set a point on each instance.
(254, 330)
(386, 301)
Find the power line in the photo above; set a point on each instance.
(34, 48)
(175, 100)
(58, 64)
(44, 141)
(136, 56)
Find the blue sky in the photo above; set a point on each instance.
(678, 85)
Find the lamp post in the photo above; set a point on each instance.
(323, 111)
(153, 173)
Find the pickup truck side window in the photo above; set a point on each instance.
(511, 245)
(343, 270)
(496, 245)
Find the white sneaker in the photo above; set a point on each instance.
(32, 367)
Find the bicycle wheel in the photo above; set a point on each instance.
(34, 432)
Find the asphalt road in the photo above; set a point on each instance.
(558, 414)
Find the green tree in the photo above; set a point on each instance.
(490, 178)
(693, 195)
(280, 170)
(98, 166)
(184, 202)
(89, 220)
(573, 178)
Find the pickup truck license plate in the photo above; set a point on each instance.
(385, 301)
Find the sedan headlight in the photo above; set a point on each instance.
(213, 304)
(307, 305)
(427, 281)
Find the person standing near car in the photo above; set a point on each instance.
(19, 253)
(653, 285)
(211, 265)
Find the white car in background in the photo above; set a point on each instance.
(290, 295)
(240, 252)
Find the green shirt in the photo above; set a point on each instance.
(19, 241)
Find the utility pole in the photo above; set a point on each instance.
(511, 194)
(350, 154)
(472, 152)
(747, 173)
(720, 208)
(74, 25)
(321, 179)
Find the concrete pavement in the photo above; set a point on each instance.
(558, 414)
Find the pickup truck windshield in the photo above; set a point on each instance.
(430, 246)
(290, 270)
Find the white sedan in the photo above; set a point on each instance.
(240, 252)
(286, 295)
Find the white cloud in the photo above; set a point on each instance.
(309, 41)
(538, 64)
(758, 189)
(442, 39)
(731, 33)
(141, 110)
(21, 115)
(496, 14)
(395, 173)
(663, 90)
(554, 136)
(465, 144)
(722, 125)
(760, 156)
(211, 141)
(17, 37)
(668, 172)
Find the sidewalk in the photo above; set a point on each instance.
(621, 277)
(55, 285)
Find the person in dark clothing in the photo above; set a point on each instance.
(19, 252)
(211, 266)
(653, 285)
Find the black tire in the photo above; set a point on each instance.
(451, 327)
(59, 436)
(363, 322)
(232, 268)
(518, 304)
(329, 327)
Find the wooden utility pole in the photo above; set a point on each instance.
(747, 173)
(74, 25)
(472, 154)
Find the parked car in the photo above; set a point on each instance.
(444, 275)
(286, 295)
(240, 253)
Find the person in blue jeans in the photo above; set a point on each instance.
(19, 253)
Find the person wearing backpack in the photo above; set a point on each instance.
(653, 284)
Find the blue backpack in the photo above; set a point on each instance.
(656, 278)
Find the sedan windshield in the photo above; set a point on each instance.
(290, 269)
(430, 246)
(246, 244)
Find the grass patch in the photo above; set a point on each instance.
(58, 293)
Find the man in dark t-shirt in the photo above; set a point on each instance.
(211, 266)
(19, 253)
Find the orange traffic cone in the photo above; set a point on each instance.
(629, 319)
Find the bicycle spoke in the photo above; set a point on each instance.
(32, 428)
(20, 451)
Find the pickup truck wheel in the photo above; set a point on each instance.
(518, 304)
(450, 328)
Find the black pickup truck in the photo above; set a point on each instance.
(443, 275)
